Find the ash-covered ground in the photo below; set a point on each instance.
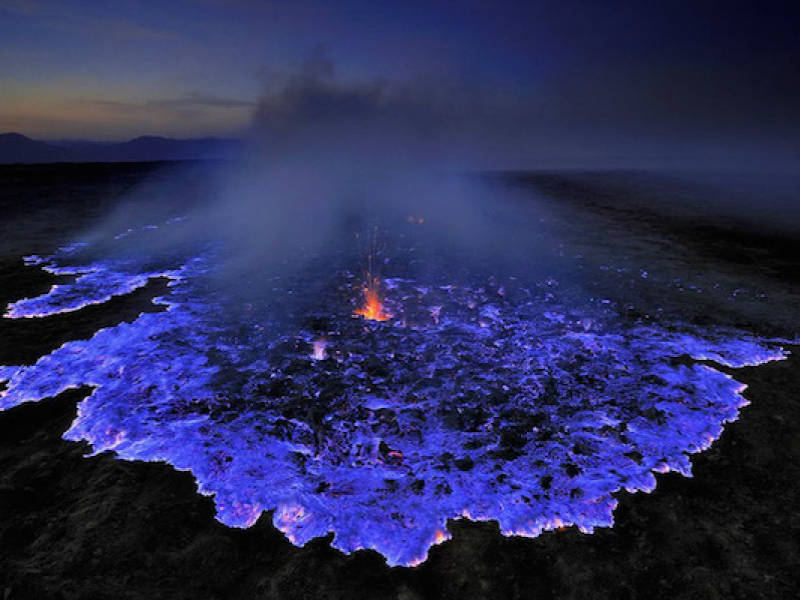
(656, 289)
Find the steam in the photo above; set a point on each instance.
(329, 159)
(369, 124)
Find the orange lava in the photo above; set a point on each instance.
(373, 309)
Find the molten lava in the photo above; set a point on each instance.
(373, 309)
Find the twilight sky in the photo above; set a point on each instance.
(593, 76)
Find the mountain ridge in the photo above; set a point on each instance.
(16, 148)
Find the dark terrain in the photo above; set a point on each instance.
(77, 527)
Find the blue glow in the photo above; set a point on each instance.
(481, 402)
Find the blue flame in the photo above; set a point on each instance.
(485, 404)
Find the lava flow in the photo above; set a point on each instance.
(373, 309)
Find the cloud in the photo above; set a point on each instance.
(188, 101)
(192, 114)
(202, 99)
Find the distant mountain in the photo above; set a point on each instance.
(16, 148)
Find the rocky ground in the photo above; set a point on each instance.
(78, 527)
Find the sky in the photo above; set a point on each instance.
(592, 76)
